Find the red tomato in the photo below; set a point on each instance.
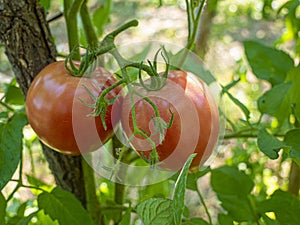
(195, 128)
(57, 111)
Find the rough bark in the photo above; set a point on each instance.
(29, 47)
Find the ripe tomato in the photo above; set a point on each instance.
(56, 106)
(195, 127)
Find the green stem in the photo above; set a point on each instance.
(71, 10)
(88, 27)
(119, 186)
(204, 205)
(7, 106)
(93, 205)
(196, 21)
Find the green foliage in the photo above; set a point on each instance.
(13, 94)
(101, 16)
(268, 144)
(233, 188)
(160, 210)
(285, 206)
(2, 208)
(11, 135)
(291, 138)
(268, 63)
(63, 206)
(156, 211)
(242, 192)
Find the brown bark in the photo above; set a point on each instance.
(29, 47)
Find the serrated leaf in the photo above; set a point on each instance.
(285, 206)
(229, 180)
(11, 136)
(179, 191)
(62, 206)
(2, 208)
(268, 63)
(156, 211)
(291, 138)
(268, 144)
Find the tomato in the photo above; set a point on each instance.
(195, 127)
(57, 110)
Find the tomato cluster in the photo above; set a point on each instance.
(58, 107)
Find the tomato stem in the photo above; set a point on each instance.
(71, 10)
(193, 21)
(88, 27)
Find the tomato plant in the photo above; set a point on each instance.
(57, 109)
(187, 101)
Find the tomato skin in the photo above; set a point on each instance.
(195, 127)
(56, 110)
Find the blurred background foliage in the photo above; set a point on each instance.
(232, 22)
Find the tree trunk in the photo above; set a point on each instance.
(29, 47)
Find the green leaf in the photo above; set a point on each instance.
(192, 178)
(11, 135)
(13, 94)
(283, 99)
(270, 101)
(19, 214)
(238, 206)
(27, 219)
(225, 219)
(42, 219)
(126, 217)
(268, 144)
(233, 188)
(63, 206)
(285, 206)
(46, 4)
(190, 64)
(269, 221)
(196, 221)
(239, 104)
(156, 211)
(268, 63)
(230, 181)
(291, 138)
(2, 208)
(101, 16)
(293, 96)
(179, 192)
